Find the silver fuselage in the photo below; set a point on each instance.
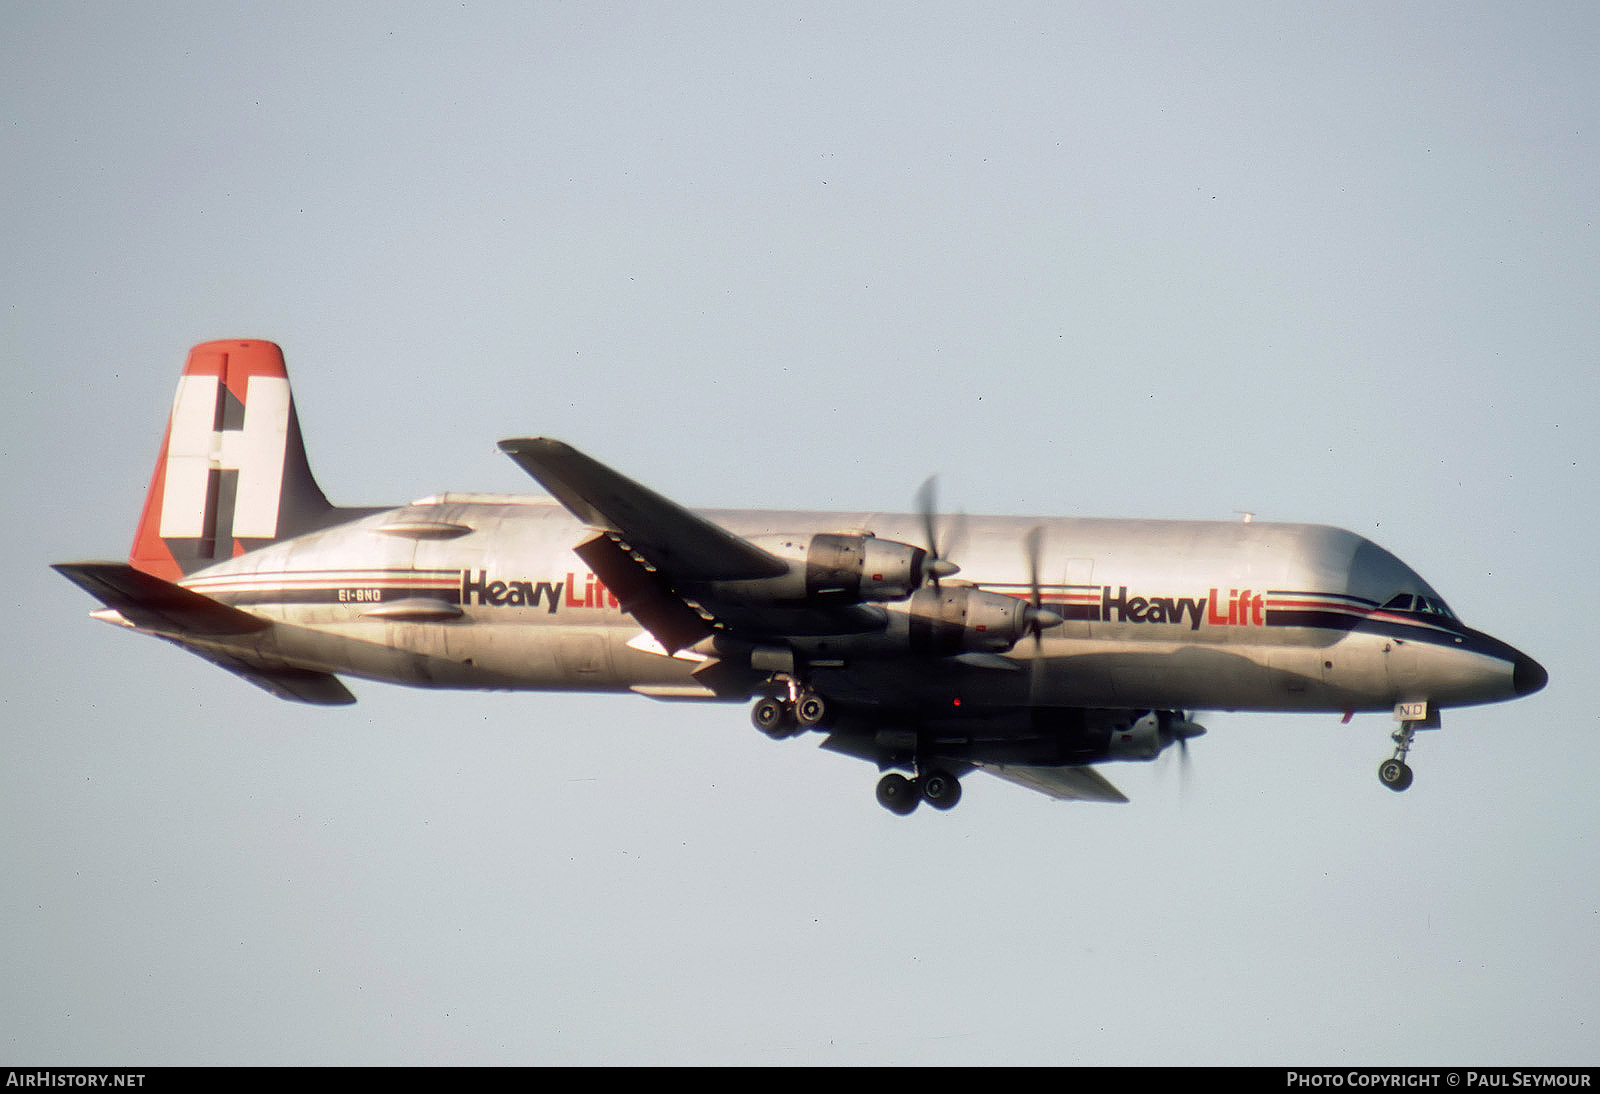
(484, 591)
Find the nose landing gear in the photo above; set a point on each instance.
(1394, 772)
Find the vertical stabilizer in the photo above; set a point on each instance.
(232, 475)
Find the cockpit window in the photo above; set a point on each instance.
(1434, 606)
(1427, 605)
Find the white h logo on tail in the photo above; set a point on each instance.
(197, 446)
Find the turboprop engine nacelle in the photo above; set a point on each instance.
(836, 568)
(956, 619)
(944, 622)
(1145, 738)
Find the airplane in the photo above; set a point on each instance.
(1035, 651)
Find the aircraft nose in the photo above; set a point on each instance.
(1527, 675)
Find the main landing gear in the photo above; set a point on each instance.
(780, 716)
(900, 795)
(786, 714)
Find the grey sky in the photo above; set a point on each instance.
(1334, 265)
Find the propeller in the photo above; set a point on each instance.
(1178, 730)
(1038, 617)
(936, 565)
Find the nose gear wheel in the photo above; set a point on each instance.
(1394, 772)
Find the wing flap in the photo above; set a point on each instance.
(675, 540)
(643, 595)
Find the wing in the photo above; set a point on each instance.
(1081, 784)
(664, 533)
(665, 563)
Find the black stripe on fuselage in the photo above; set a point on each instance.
(1432, 630)
(332, 587)
(353, 593)
(1456, 637)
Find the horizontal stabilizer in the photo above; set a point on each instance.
(1080, 784)
(321, 689)
(673, 539)
(152, 604)
(186, 618)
